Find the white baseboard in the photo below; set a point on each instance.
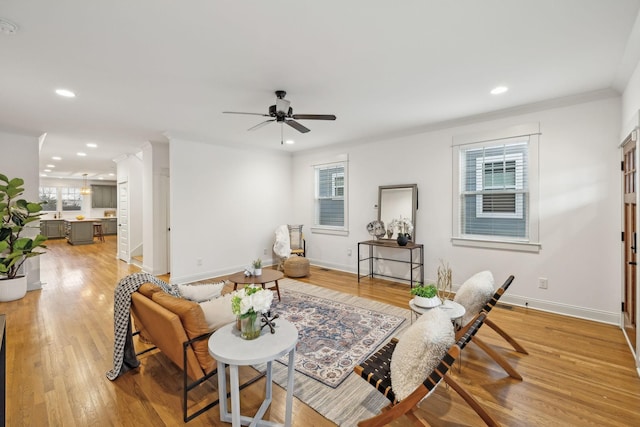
(601, 316)
(196, 277)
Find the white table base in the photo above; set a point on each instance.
(234, 417)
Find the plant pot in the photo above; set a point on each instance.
(426, 302)
(257, 271)
(13, 289)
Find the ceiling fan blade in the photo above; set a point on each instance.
(251, 114)
(297, 126)
(314, 116)
(259, 125)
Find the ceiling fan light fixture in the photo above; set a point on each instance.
(66, 93)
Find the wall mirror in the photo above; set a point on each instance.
(395, 201)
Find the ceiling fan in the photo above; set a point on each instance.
(281, 112)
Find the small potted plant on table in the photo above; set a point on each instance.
(257, 267)
(426, 296)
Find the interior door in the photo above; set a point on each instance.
(123, 221)
(629, 182)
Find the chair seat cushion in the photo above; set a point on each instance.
(474, 293)
(419, 351)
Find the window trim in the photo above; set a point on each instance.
(532, 244)
(329, 229)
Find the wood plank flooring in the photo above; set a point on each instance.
(60, 344)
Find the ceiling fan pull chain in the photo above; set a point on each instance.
(281, 135)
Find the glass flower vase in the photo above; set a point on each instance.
(250, 326)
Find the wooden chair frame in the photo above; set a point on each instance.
(376, 371)
(484, 346)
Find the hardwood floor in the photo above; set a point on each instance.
(60, 344)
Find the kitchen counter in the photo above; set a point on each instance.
(80, 231)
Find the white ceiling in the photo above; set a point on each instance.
(147, 68)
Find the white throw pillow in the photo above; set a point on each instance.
(217, 312)
(474, 294)
(419, 351)
(201, 292)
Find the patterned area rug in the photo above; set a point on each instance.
(353, 400)
(333, 336)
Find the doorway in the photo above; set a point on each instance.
(630, 237)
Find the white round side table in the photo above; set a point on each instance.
(228, 348)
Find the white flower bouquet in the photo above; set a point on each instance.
(251, 300)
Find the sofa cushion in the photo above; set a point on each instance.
(201, 292)
(148, 289)
(193, 322)
(217, 312)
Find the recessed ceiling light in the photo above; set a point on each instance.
(290, 141)
(101, 177)
(43, 174)
(81, 154)
(57, 158)
(66, 93)
(112, 174)
(47, 170)
(92, 145)
(51, 166)
(498, 90)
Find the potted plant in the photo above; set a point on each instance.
(15, 215)
(257, 267)
(425, 296)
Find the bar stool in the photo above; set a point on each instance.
(97, 231)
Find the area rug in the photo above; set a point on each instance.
(353, 399)
(334, 337)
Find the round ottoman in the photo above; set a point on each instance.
(296, 266)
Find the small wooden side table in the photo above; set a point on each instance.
(228, 348)
(268, 275)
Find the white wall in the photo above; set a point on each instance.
(130, 170)
(579, 207)
(20, 160)
(155, 207)
(225, 206)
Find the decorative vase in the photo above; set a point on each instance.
(250, 326)
(13, 289)
(257, 271)
(402, 239)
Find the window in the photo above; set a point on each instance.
(61, 199)
(49, 197)
(496, 185)
(330, 197)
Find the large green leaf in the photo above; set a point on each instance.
(4, 178)
(16, 182)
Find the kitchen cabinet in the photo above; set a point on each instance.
(110, 226)
(104, 196)
(79, 232)
(53, 228)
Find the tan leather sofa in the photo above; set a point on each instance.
(178, 328)
(169, 322)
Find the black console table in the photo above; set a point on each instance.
(392, 244)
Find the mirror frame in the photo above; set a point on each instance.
(414, 202)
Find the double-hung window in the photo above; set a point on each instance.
(330, 202)
(60, 198)
(496, 186)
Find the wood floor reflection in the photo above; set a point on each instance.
(60, 344)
